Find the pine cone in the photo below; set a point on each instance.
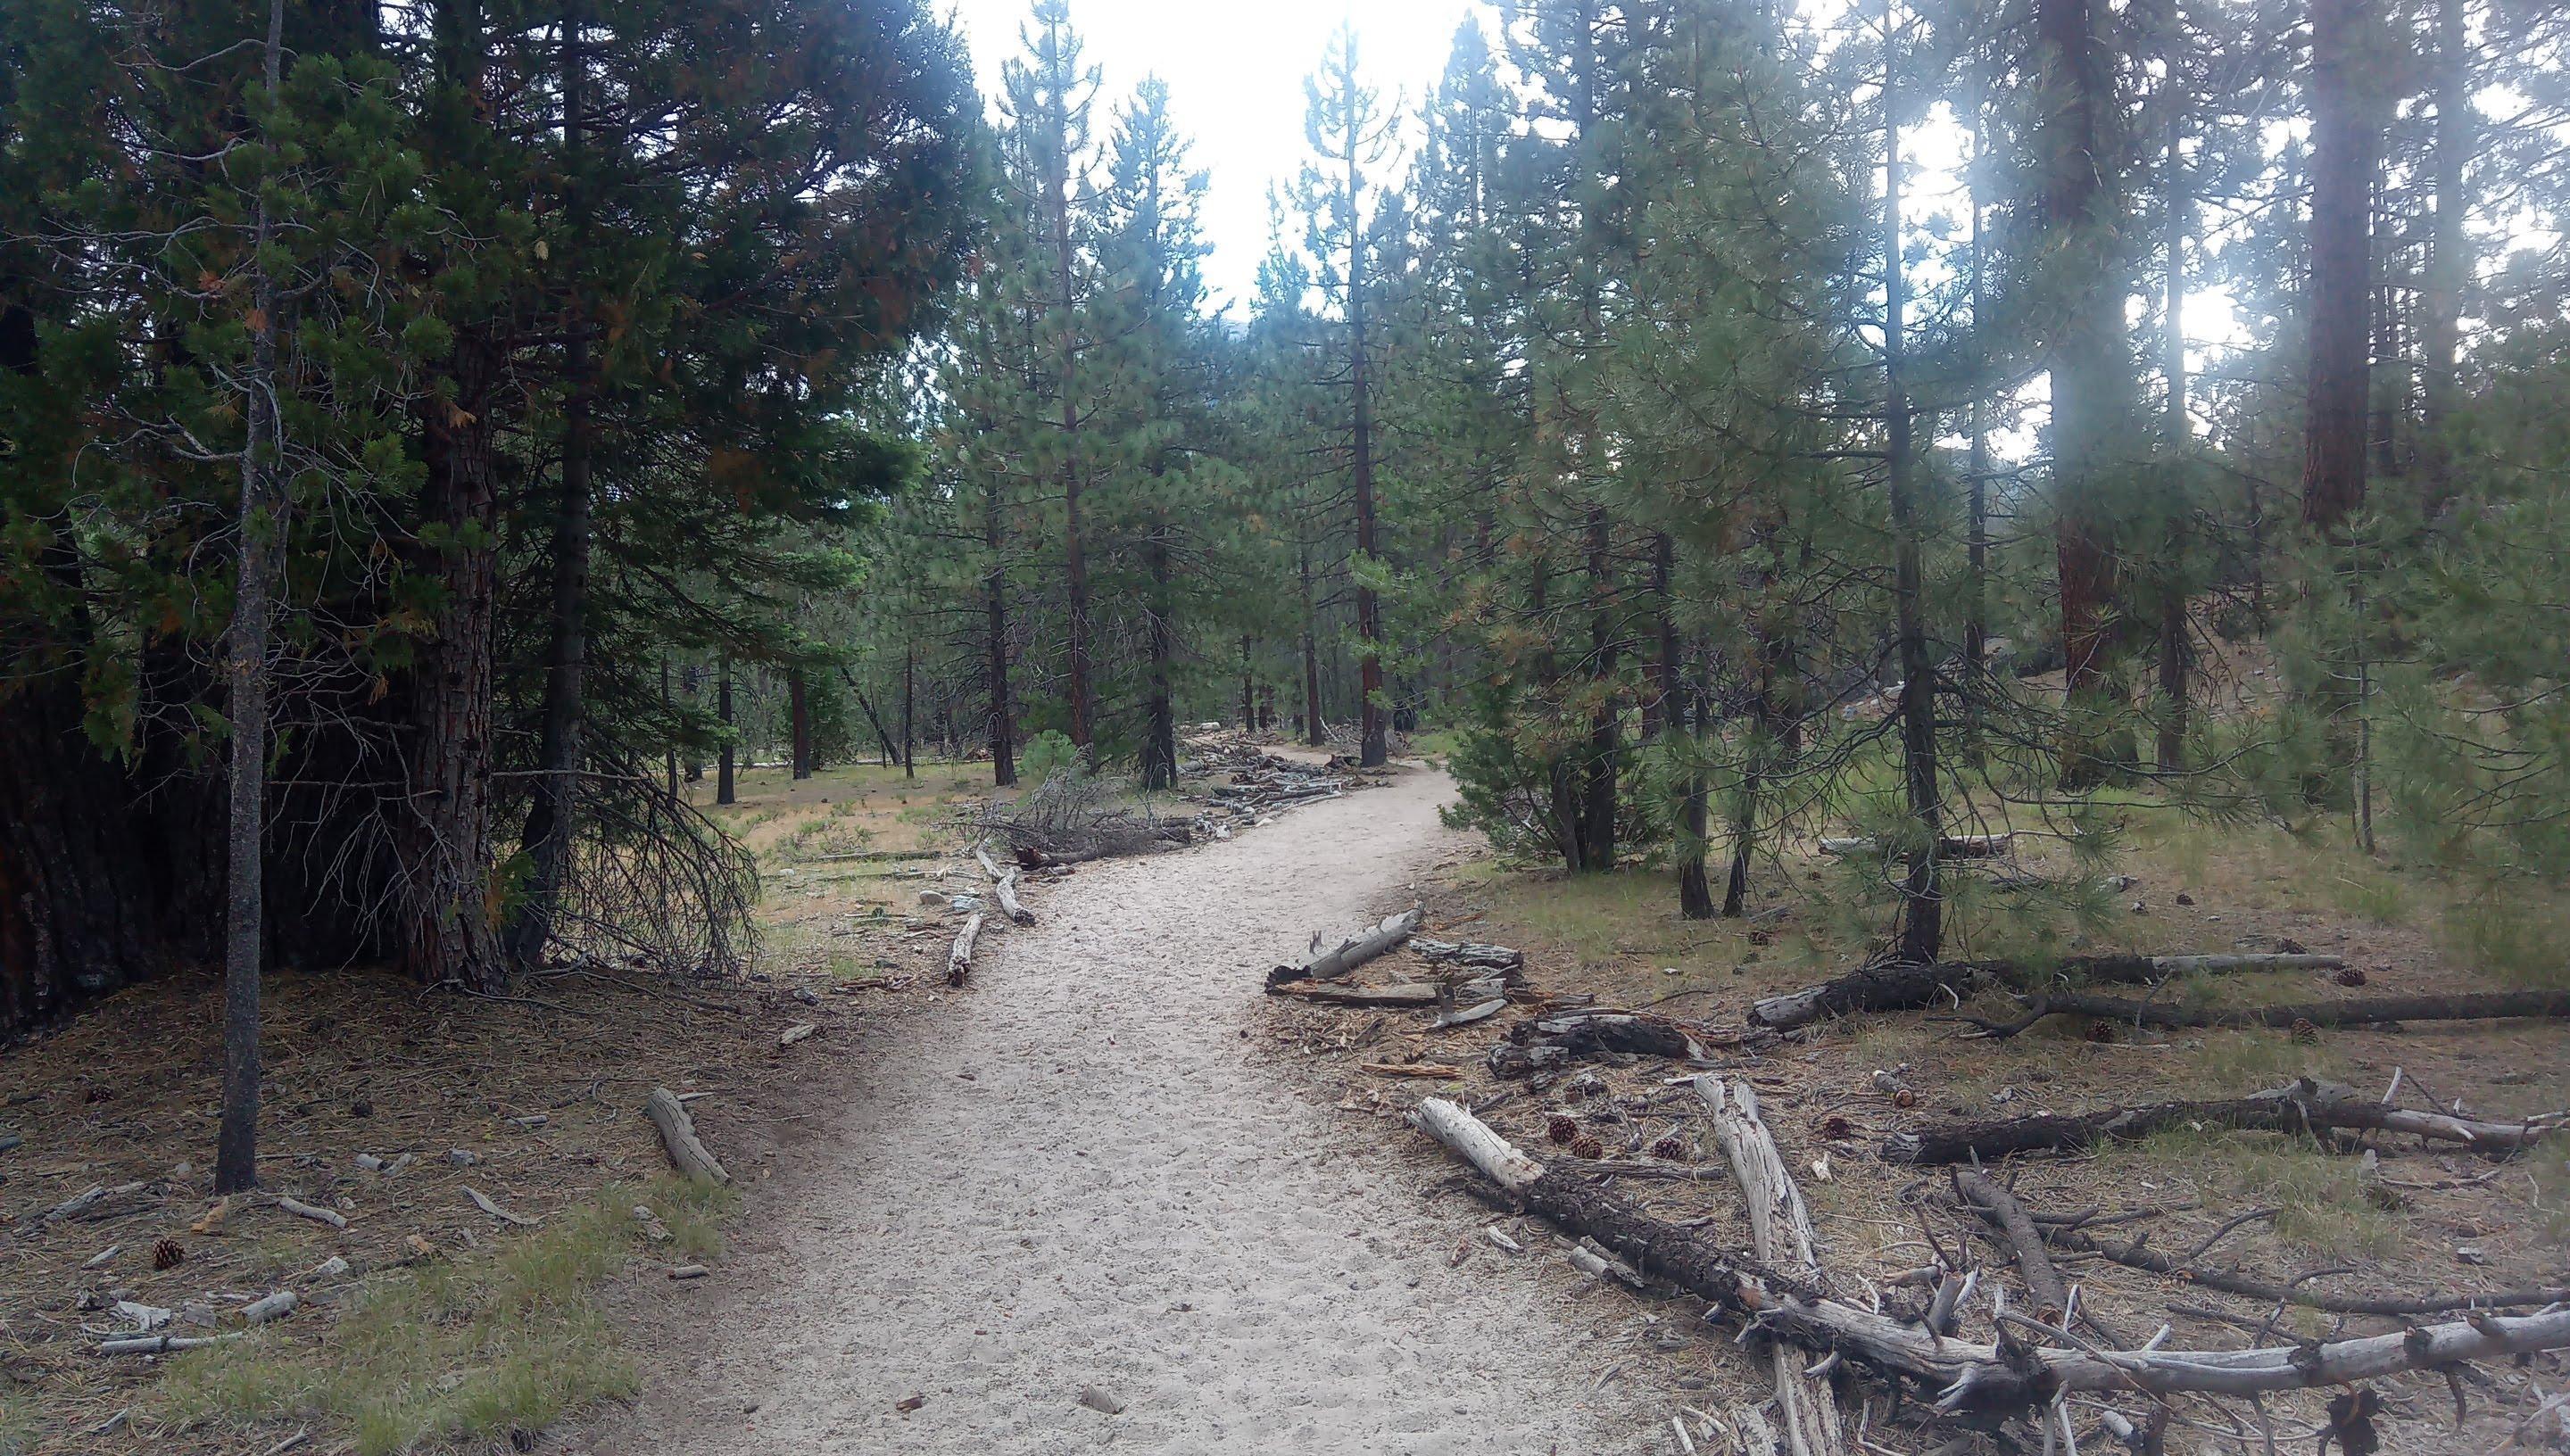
(1586, 1146)
(2351, 976)
(166, 1254)
(1560, 1128)
(2305, 1032)
(1836, 1126)
(2099, 1032)
(1672, 1148)
(1905, 1098)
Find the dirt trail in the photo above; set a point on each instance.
(1080, 1178)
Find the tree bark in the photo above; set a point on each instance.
(1161, 723)
(442, 835)
(1370, 748)
(1314, 733)
(2448, 257)
(1923, 908)
(2086, 355)
(724, 784)
(995, 639)
(246, 683)
(2344, 165)
(545, 839)
(1597, 779)
(798, 714)
(2304, 1106)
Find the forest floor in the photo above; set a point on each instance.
(2435, 1220)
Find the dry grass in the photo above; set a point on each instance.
(491, 1346)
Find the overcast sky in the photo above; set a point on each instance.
(1235, 72)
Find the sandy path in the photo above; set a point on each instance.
(1080, 1178)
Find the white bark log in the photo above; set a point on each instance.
(1472, 1139)
(959, 961)
(482, 1202)
(275, 1306)
(302, 1209)
(1780, 1233)
(1006, 887)
(679, 1137)
(1350, 954)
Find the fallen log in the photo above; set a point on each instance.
(2302, 1106)
(1780, 1233)
(1437, 1071)
(959, 961)
(302, 1209)
(1321, 994)
(1006, 888)
(2364, 1012)
(1907, 985)
(2025, 1241)
(1549, 1042)
(1965, 1375)
(1352, 952)
(1471, 954)
(1950, 847)
(679, 1137)
(1466, 1015)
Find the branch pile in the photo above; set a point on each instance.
(1072, 816)
(1907, 985)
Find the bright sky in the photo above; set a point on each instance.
(1235, 72)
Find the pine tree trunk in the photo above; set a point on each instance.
(1249, 691)
(546, 839)
(1923, 898)
(1161, 726)
(1075, 557)
(1664, 703)
(1372, 749)
(691, 681)
(909, 710)
(1597, 786)
(995, 626)
(2087, 353)
(2174, 638)
(245, 700)
(798, 722)
(442, 838)
(724, 788)
(2343, 168)
(2448, 260)
(1690, 712)
(1312, 732)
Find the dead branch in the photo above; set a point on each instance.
(959, 961)
(1907, 985)
(2366, 1011)
(2302, 1106)
(2025, 1241)
(1967, 1375)
(1551, 1042)
(678, 1136)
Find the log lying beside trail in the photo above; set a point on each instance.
(1548, 1043)
(1780, 1233)
(959, 961)
(1322, 993)
(678, 1136)
(2366, 1011)
(1469, 954)
(1352, 952)
(1006, 888)
(1907, 985)
(1967, 1375)
(2302, 1106)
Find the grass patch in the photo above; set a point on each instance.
(2235, 1063)
(463, 1351)
(2321, 1198)
(2368, 895)
(2509, 938)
